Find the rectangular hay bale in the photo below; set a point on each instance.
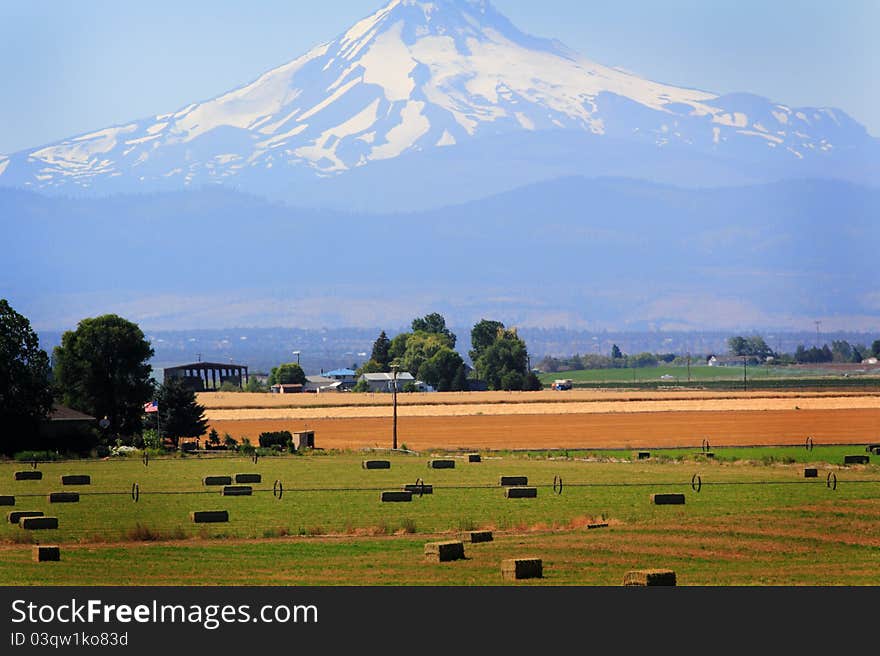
(520, 492)
(248, 478)
(7, 500)
(376, 464)
(44, 553)
(76, 479)
(394, 496)
(38, 523)
(15, 516)
(513, 480)
(646, 577)
(29, 475)
(237, 490)
(419, 489)
(64, 497)
(209, 516)
(811, 472)
(522, 568)
(217, 480)
(668, 499)
(474, 457)
(856, 460)
(441, 464)
(442, 552)
(480, 536)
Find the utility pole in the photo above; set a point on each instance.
(745, 379)
(394, 368)
(818, 323)
(689, 367)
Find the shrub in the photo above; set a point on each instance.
(246, 446)
(281, 439)
(27, 456)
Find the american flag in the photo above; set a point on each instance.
(151, 407)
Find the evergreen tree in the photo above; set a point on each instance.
(180, 414)
(381, 350)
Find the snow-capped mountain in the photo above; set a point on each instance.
(420, 79)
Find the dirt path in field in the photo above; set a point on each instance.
(615, 429)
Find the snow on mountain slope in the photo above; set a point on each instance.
(415, 76)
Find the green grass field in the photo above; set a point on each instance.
(756, 520)
(715, 377)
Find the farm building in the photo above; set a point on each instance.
(320, 384)
(383, 382)
(346, 377)
(63, 422)
(209, 376)
(286, 388)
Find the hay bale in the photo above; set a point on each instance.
(644, 577)
(76, 479)
(474, 457)
(513, 480)
(642, 455)
(811, 472)
(377, 464)
(442, 552)
(64, 497)
(29, 475)
(7, 500)
(480, 536)
(217, 480)
(44, 553)
(15, 516)
(248, 478)
(856, 460)
(520, 492)
(441, 464)
(395, 496)
(237, 490)
(38, 523)
(670, 499)
(522, 568)
(419, 489)
(209, 516)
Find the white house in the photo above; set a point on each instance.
(320, 384)
(383, 382)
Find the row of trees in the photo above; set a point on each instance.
(101, 368)
(840, 351)
(428, 352)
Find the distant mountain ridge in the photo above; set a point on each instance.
(401, 108)
(573, 252)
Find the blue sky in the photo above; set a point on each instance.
(72, 67)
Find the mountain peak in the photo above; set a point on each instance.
(417, 77)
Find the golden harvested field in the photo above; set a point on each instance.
(546, 420)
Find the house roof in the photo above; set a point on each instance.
(63, 413)
(341, 372)
(321, 380)
(386, 377)
(208, 365)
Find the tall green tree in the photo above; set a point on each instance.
(289, 373)
(616, 353)
(180, 414)
(102, 369)
(504, 363)
(483, 335)
(434, 323)
(381, 349)
(441, 369)
(25, 390)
